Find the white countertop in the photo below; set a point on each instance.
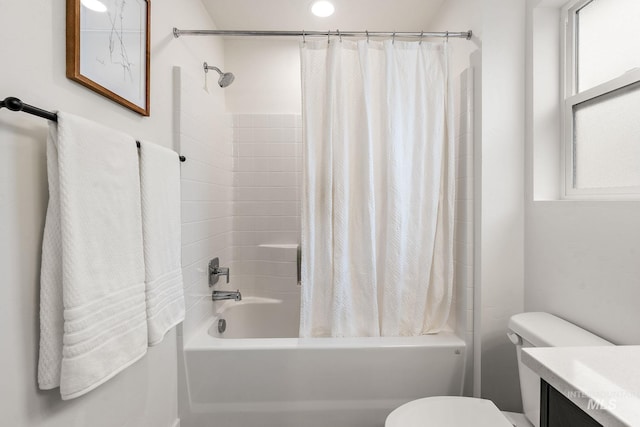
(606, 377)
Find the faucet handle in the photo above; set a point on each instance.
(215, 271)
(222, 271)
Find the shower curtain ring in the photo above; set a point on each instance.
(393, 38)
(339, 36)
(447, 36)
(329, 37)
(421, 36)
(367, 33)
(304, 37)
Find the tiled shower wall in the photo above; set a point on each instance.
(266, 208)
(203, 132)
(462, 314)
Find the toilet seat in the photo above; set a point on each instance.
(447, 411)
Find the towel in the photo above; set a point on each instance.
(160, 187)
(92, 297)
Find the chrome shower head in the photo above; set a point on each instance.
(225, 79)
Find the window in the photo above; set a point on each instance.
(602, 98)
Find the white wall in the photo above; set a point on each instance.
(267, 74)
(502, 196)
(582, 265)
(33, 68)
(497, 55)
(581, 256)
(543, 100)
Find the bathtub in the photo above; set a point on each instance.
(258, 373)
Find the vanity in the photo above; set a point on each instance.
(587, 386)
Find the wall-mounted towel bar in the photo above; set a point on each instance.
(15, 104)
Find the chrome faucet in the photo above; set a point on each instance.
(215, 271)
(222, 295)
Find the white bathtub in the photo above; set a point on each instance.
(250, 377)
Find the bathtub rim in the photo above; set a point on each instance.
(202, 341)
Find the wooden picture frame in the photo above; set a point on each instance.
(108, 49)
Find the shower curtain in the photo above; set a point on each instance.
(379, 188)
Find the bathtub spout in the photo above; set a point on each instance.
(222, 295)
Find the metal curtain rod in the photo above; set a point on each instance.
(15, 104)
(421, 34)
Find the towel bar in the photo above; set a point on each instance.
(15, 104)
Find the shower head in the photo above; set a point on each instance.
(225, 78)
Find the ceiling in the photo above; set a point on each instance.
(350, 15)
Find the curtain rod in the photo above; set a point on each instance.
(421, 34)
(15, 104)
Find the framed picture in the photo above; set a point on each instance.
(108, 49)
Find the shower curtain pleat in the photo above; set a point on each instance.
(379, 188)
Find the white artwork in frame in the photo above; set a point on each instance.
(108, 49)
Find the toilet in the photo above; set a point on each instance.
(525, 330)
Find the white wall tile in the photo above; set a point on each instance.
(266, 194)
(266, 202)
(253, 207)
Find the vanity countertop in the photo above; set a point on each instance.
(603, 381)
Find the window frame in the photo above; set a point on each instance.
(571, 97)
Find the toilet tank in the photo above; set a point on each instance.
(537, 329)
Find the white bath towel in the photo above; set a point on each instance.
(160, 187)
(92, 299)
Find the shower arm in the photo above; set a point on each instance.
(208, 67)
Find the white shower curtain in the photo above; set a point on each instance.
(379, 188)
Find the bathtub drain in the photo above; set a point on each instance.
(222, 325)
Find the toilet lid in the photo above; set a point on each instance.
(447, 411)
